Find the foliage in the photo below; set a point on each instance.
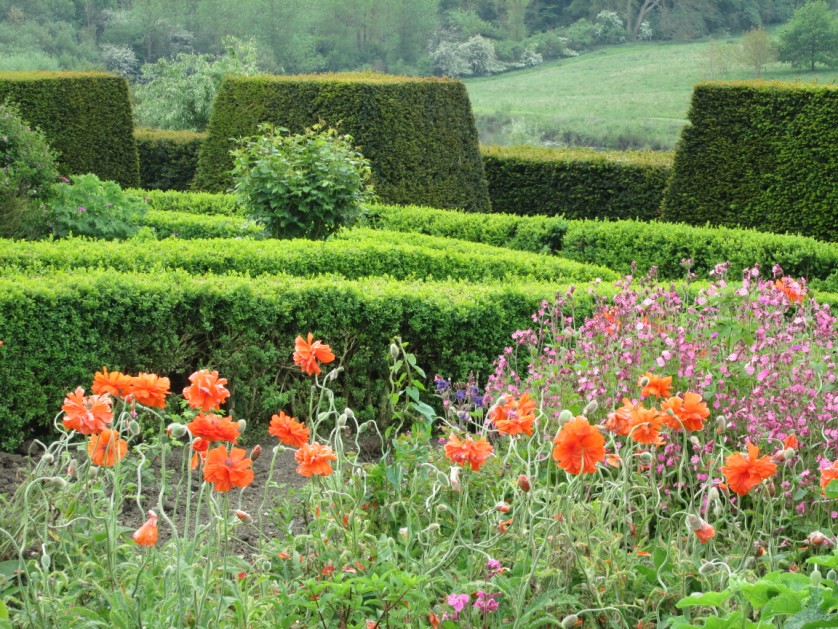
(178, 93)
(305, 185)
(811, 37)
(418, 134)
(168, 159)
(757, 50)
(474, 57)
(169, 322)
(88, 206)
(192, 202)
(609, 28)
(27, 175)
(85, 117)
(188, 225)
(121, 60)
(576, 183)
(758, 155)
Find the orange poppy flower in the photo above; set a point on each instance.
(702, 529)
(504, 525)
(468, 452)
(434, 620)
(200, 447)
(150, 390)
(214, 428)
(87, 415)
(614, 460)
(307, 353)
(288, 430)
(744, 472)
(106, 448)
(829, 474)
(207, 391)
(579, 447)
(313, 459)
(227, 470)
(655, 385)
(112, 382)
(618, 421)
(645, 425)
(791, 289)
(791, 441)
(146, 535)
(514, 417)
(690, 412)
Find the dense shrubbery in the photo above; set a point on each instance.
(168, 159)
(192, 202)
(186, 225)
(86, 118)
(88, 206)
(760, 155)
(418, 134)
(27, 176)
(576, 183)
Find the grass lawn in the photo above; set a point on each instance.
(630, 96)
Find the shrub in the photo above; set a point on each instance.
(169, 322)
(168, 159)
(358, 253)
(307, 185)
(85, 117)
(27, 174)
(186, 225)
(418, 134)
(576, 183)
(758, 155)
(95, 208)
(192, 202)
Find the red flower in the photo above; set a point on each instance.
(146, 535)
(226, 471)
(112, 382)
(207, 391)
(514, 417)
(150, 390)
(307, 353)
(655, 385)
(87, 415)
(744, 472)
(645, 425)
(468, 452)
(214, 428)
(288, 430)
(313, 459)
(579, 447)
(689, 413)
(829, 474)
(106, 448)
(618, 421)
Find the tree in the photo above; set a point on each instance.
(757, 50)
(810, 37)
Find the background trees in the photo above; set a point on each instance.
(811, 37)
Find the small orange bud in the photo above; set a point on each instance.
(256, 452)
(524, 483)
(502, 507)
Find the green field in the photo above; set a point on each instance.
(630, 96)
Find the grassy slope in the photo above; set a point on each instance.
(635, 94)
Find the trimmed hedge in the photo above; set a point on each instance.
(59, 328)
(576, 183)
(364, 253)
(191, 202)
(86, 117)
(168, 159)
(419, 134)
(189, 226)
(617, 244)
(759, 154)
(541, 234)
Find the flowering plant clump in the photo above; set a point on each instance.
(616, 471)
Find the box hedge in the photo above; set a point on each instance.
(60, 327)
(86, 117)
(186, 225)
(759, 154)
(419, 134)
(168, 159)
(192, 202)
(361, 253)
(576, 183)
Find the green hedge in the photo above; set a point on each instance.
(86, 117)
(186, 225)
(191, 202)
(617, 244)
(576, 183)
(168, 159)
(59, 328)
(761, 155)
(540, 234)
(419, 134)
(363, 253)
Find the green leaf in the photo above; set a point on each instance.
(706, 599)
(782, 604)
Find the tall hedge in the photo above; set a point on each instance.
(419, 134)
(86, 117)
(168, 159)
(576, 183)
(761, 155)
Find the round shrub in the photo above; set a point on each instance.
(304, 185)
(27, 174)
(95, 208)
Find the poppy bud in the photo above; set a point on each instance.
(721, 423)
(176, 430)
(341, 420)
(244, 516)
(72, 467)
(403, 532)
(46, 562)
(565, 416)
(694, 440)
(789, 453)
(441, 507)
(750, 562)
(322, 416)
(524, 483)
(717, 510)
(646, 458)
(502, 507)
(93, 471)
(816, 538)
(590, 408)
(394, 351)
(433, 526)
(832, 575)
(242, 424)
(349, 413)
(48, 458)
(670, 412)
(713, 495)
(643, 382)
(707, 567)
(454, 479)
(256, 452)
(279, 448)
(694, 522)
(815, 577)
(55, 482)
(570, 621)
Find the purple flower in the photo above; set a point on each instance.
(493, 567)
(486, 602)
(82, 209)
(458, 602)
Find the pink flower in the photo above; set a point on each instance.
(486, 602)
